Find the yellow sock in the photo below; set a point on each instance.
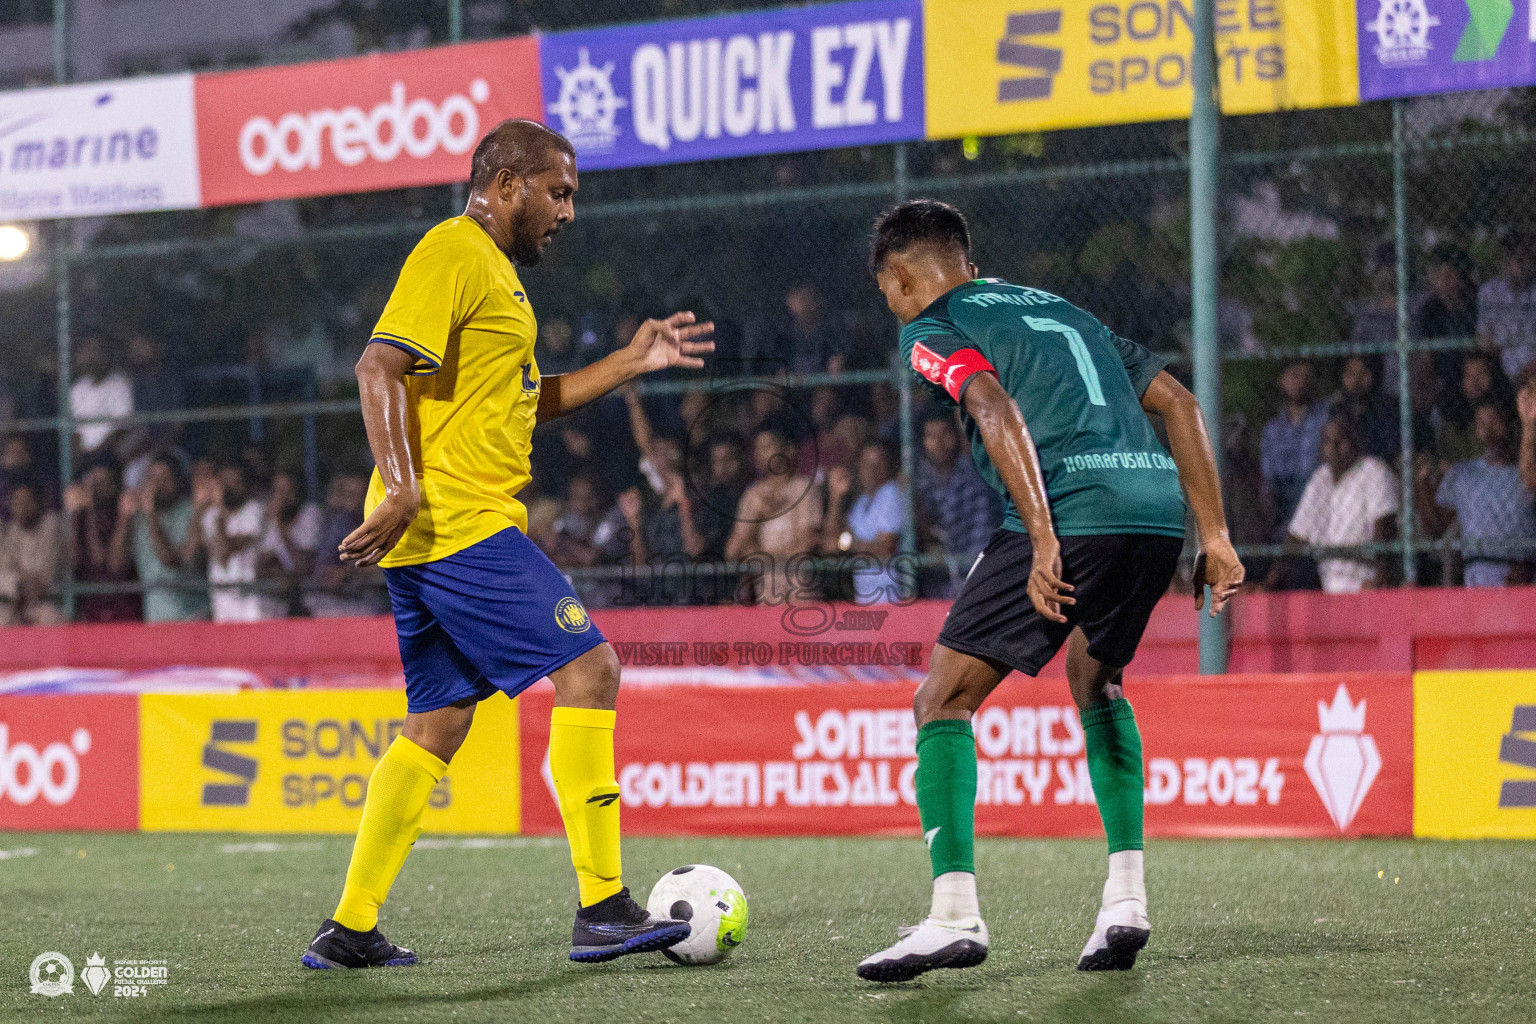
(581, 763)
(397, 795)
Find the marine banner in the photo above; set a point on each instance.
(1000, 66)
(69, 762)
(100, 148)
(1474, 755)
(737, 85)
(1326, 755)
(300, 762)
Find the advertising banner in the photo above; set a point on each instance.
(767, 82)
(69, 762)
(106, 147)
(300, 762)
(1474, 755)
(1000, 66)
(1324, 755)
(1416, 47)
(393, 120)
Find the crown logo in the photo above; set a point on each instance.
(1341, 715)
(1342, 760)
(95, 974)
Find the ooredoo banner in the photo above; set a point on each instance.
(105, 147)
(385, 121)
(767, 82)
(300, 761)
(1302, 755)
(69, 762)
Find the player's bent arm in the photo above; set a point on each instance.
(1192, 454)
(1006, 438)
(381, 384)
(1012, 451)
(657, 345)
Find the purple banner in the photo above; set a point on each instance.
(1416, 47)
(771, 82)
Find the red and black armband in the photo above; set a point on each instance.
(952, 371)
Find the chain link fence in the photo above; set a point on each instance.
(1369, 254)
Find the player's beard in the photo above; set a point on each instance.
(526, 250)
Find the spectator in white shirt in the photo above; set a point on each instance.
(233, 522)
(1506, 308)
(99, 391)
(1351, 499)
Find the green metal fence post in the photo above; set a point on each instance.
(1205, 260)
(456, 35)
(904, 391)
(61, 40)
(1404, 400)
(59, 230)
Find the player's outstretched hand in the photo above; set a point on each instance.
(1217, 565)
(675, 341)
(1045, 586)
(381, 531)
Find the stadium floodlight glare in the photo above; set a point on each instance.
(14, 242)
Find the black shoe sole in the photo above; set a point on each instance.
(1120, 952)
(954, 956)
(647, 942)
(315, 962)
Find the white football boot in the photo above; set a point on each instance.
(928, 946)
(1122, 927)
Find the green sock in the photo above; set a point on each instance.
(1114, 764)
(946, 794)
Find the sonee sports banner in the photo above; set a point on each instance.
(1304, 755)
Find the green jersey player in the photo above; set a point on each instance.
(1056, 408)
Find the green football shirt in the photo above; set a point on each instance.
(1079, 386)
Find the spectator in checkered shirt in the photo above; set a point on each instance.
(1350, 499)
(1493, 507)
(955, 502)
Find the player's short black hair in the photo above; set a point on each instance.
(918, 222)
(523, 147)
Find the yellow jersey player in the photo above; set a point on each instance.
(451, 393)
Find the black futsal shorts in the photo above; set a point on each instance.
(1118, 579)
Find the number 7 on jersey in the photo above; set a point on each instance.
(1085, 367)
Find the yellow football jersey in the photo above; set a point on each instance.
(473, 391)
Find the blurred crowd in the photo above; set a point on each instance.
(801, 489)
(1328, 468)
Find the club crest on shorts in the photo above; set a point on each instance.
(571, 616)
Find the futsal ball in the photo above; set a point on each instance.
(709, 900)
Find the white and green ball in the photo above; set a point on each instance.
(709, 900)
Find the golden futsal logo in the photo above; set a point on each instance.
(571, 616)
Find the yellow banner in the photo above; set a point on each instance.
(300, 761)
(1474, 755)
(999, 66)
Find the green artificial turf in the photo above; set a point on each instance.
(1243, 930)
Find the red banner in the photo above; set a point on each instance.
(69, 762)
(1305, 755)
(357, 125)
